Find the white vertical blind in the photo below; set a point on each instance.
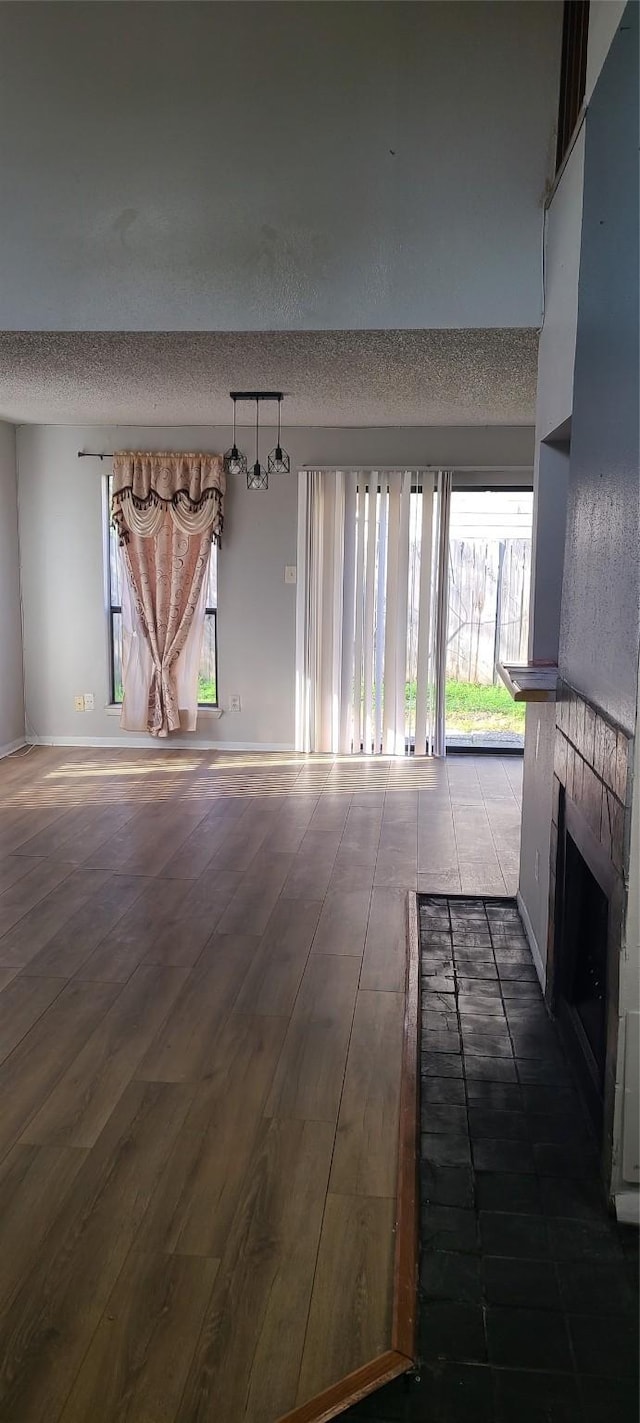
(337, 608)
(367, 607)
(391, 618)
(423, 656)
(303, 677)
(348, 615)
(369, 610)
(357, 647)
(381, 589)
(402, 624)
(318, 682)
(441, 612)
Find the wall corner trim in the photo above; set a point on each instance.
(533, 943)
(151, 743)
(12, 746)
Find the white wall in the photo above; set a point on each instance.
(275, 166)
(63, 567)
(600, 624)
(554, 404)
(535, 837)
(604, 19)
(11, 693)
(556, 365)
(557, 347)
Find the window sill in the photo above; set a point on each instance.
(115, 708)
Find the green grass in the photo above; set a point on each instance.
(206, 692)
(471, 707)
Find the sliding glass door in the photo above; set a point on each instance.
(411, 589)
(488, 577)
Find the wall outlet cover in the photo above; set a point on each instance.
(78, 703)
(89, 701)
(234, 703)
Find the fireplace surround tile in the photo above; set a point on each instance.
(599, 747)
(610, 750)
(588, 748)
(577, 791)
(621, 777)
(560, 756)
(592, 799)
(578, 723)
(612, 828)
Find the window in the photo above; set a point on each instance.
(208, 674)
(573, 72)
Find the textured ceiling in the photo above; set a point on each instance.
(358, 378)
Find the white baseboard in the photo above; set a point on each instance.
(627, 1204)
(533, 943)
(12, 746)
(153, 743)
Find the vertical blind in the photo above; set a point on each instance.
(369, 543)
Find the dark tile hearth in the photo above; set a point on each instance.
(528, 1289)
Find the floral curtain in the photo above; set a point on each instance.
(167, 508)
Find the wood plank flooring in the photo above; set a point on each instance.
(202, 962)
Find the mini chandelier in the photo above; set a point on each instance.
(257, 477)
(234, 462)
(278, 461)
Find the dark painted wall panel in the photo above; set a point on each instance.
(600, 623)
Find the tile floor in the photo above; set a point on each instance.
(528, 1290)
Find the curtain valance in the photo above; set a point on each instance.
(190, 487)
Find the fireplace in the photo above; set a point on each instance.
(587, 897)
(584, 884)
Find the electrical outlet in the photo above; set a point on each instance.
(89, 701)
(234, 703)
(78, 703)
(290, 573)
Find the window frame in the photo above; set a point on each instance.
(115, 609)
(210, 612)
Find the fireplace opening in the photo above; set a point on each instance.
(585, 986)
(581, 966)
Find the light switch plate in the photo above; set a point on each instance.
(290, 573)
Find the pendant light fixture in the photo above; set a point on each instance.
(278, 461)
(258, 476)
(234, 462)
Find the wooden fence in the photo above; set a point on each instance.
(488, 606)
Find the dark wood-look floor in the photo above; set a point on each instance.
(202, 965)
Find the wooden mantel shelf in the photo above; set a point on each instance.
(530, 681)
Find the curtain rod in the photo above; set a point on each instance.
(428, 468)
(378, 468)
